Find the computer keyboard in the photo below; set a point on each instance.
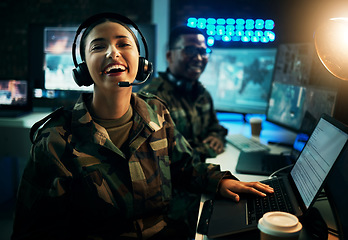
(278, 201)
(246, 144)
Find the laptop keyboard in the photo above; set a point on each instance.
(279, 201)
(246, 144)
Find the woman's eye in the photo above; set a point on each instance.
(97, 47)
(124, 44)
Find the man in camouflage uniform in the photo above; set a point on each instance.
(190, 106)
(189, 103)
(96, 187)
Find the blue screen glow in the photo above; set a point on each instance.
(237, 30)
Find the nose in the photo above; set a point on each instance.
(112, 52)
(199, 56)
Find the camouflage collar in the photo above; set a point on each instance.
(145, 112)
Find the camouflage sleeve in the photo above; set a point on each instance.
(189, 172)
(44, 184)
(215, 128)
(150, 88)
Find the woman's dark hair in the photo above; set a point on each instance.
(102, 20)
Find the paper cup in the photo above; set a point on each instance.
(256, 126)
(279, 226)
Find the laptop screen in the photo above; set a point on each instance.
(317, 158)
(13, 93)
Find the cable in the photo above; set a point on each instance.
(279, 170)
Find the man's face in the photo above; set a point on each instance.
(186, 59)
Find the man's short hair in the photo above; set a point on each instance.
(178, 31)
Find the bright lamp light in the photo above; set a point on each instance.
(331, 43)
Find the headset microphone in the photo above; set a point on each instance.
(149, 70)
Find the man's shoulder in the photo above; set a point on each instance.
(150, 107)
(156, 84)
(150, 98)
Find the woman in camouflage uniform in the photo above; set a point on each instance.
(107, 168)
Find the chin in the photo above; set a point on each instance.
(194, 76)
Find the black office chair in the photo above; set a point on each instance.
(336, 190)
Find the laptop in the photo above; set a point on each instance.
(15, 99)
(300, 186)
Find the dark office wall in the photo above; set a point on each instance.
(16, 16)
(296, 20)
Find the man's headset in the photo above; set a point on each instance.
(80, 72)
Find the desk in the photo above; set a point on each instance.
(25, 121)
(228, 160)
(14, 140)
(270, 132)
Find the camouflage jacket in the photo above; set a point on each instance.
(78, 184)
(192, 112)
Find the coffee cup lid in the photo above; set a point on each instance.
(279, 224)
(255, 120)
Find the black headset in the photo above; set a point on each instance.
(184, 85)
(80, 72)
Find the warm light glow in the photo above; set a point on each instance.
(331, 43)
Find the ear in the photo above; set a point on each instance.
(169, 56)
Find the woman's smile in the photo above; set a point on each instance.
(114, 69)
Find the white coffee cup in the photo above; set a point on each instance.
(256, 126)
(279, 226)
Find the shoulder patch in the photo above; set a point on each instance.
(143, 94)
(148, 96)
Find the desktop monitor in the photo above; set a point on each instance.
(239, 79)
(15, 97)
(13, 92)
(58, 61)
(298, 107)
(51, 64)
(295, 102)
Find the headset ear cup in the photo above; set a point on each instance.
(144, 69)
(81, 75)
(141, 70)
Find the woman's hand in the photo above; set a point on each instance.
(230, 188)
